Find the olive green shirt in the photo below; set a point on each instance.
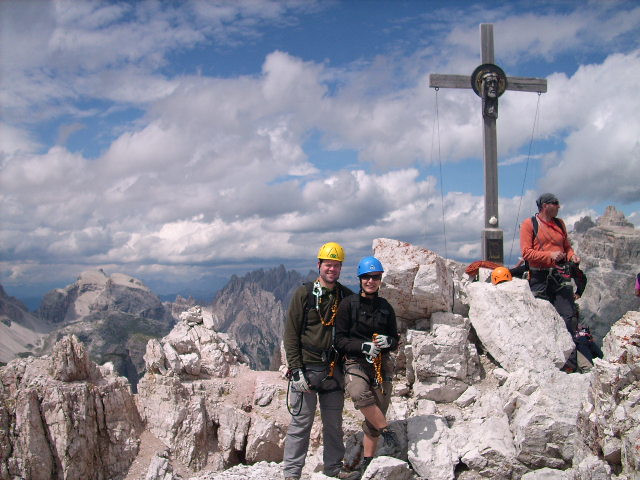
(316, 335)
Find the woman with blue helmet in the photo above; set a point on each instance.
(366, 333)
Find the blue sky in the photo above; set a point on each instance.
(181, 142)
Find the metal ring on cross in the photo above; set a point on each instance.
(486, 68)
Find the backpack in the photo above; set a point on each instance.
(558, 222)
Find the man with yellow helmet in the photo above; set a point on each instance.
(331, 251)
(314, 371)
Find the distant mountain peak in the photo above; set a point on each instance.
(251, 309)
(613, 217)
(98, 277)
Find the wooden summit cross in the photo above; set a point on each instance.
(489, 82)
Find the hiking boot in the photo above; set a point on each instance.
(346, 475)
(365, 463)
(390, 439)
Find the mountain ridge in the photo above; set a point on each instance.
(251, 307)
(252, 310)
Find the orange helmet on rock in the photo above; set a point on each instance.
(331, 251)
(500, 274)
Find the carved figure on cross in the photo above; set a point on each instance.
(490, 95)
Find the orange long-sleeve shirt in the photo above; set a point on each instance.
(551, 238)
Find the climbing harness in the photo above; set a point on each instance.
(295, 407)
(330, 316)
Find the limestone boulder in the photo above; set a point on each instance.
(265, 393)
(593, 468)
(546, 474)
(203, 402)
(232, 434)
(70, 362)
(460, 282)
(417, 281)
(443, 362)
(382, 468)
(264, 440)
(213, 423)
(258, 471)
(175, 417)
(542, 409)
(192, 349)
(485, 445)
(155, 358)
(609, 421)
(475, 439)
(517, 329)
(160, 467)
(431, 451)
(527, 424)
(65, 419)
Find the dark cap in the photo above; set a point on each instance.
(546, 198)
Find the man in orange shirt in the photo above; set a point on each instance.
(546, 251)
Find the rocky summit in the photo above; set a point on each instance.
(61, 416)
(478, 394)
(113, 315)
(95, 291)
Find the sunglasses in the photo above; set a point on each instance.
(368, 276)
(553, 203)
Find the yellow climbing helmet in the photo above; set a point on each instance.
(331, 251)
(500, 274)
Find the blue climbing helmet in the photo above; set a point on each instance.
(368, 265)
